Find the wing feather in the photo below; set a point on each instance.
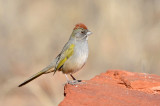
(65, 55)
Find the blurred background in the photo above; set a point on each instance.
(126, 35)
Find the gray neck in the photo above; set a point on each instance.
(85, 38)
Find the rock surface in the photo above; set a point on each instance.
(115, 88)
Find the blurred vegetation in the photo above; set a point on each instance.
(126, 35)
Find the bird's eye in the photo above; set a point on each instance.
(82, 32)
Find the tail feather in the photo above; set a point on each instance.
(31, 78)
(45, 70)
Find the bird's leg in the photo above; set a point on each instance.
(67, 78)
(72, 82)
(74, 78)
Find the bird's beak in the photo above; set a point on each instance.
(89, 33)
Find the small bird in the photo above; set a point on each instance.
(72, 57)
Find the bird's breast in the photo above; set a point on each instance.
(78, 59)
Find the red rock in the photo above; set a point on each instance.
(115, 87)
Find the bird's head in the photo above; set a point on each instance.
(80, 32)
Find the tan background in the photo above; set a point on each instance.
(126, 35)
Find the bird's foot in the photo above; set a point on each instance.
(74, 82)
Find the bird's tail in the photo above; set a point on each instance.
(45, 70)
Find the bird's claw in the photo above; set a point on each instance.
(74, 82)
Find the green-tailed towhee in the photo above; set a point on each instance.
(72, 57)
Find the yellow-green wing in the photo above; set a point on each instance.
(65, 55)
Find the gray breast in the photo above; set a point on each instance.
(78, 59)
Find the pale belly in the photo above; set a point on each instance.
(77, 61)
